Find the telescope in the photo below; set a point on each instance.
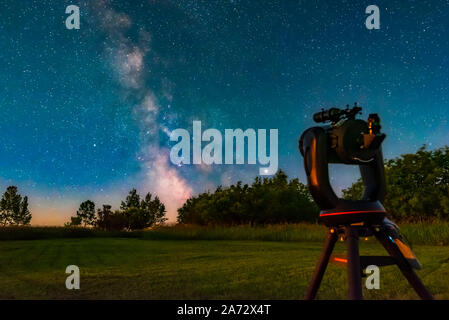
(347, 140)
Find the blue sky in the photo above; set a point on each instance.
(85, 113)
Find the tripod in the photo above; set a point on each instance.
(356, 263)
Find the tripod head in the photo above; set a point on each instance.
(349, 141)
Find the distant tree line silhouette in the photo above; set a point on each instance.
(417, 186)
(13, 208)
(134, 214)
(265, 201)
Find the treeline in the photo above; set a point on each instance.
(417, 186)
(265, 201)
(13, 208)
(134, 214)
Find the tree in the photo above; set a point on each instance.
(117, 221)
(10, 205)
(86, 213)
(146, 214)
(25, 216)
(137, 218)
(109, 220)
(146, 205)
(132, 200)
(157, 211)
(104, 220)
(14, 210)
(74, 222)
(355, 191)
(143, 213)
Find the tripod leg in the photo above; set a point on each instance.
(322, 264)
(404, 266)
(354, 269)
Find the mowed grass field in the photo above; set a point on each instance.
(127, 268)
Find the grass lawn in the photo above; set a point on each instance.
(116, 268)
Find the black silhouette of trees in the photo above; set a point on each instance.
(266, 201)
(86, 213)
(134, 214)
(13, 208)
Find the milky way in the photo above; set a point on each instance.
(86, 113)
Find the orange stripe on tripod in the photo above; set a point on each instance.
(348, 212)
(341, 260)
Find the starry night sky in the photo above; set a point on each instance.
(86, 113)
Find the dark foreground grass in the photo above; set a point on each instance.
(39, 233)
(117, 268)
(421, 233)
(282, 232)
